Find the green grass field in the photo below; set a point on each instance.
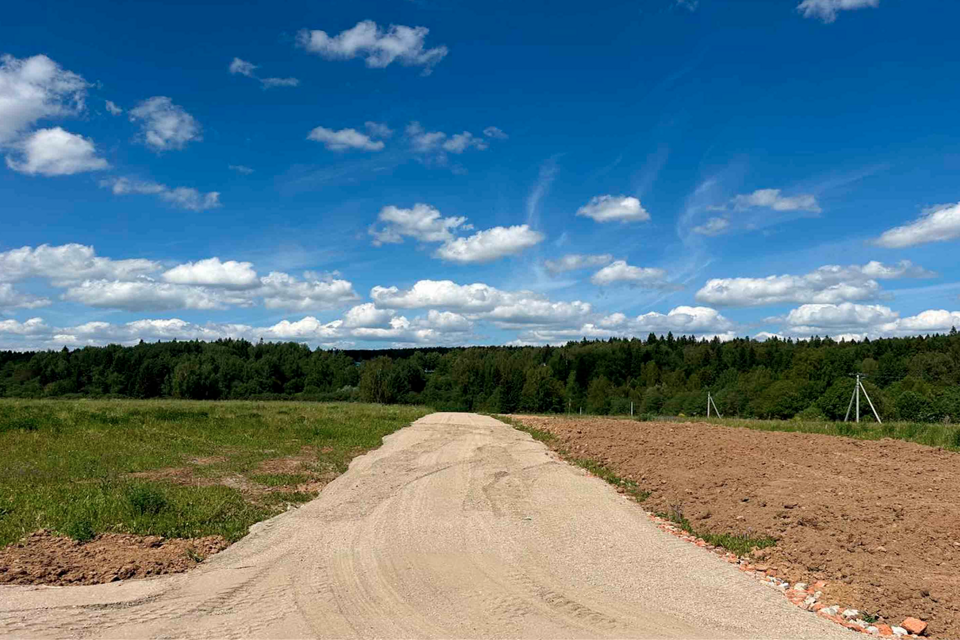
(173, 468)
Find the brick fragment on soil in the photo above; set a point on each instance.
(45, 558)
(914, 626)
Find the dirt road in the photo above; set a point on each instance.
(459, 526)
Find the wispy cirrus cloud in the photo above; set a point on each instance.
(180, 197)
(248, 69)
(827, 10)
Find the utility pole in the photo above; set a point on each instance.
(855, 399)
(710, 401)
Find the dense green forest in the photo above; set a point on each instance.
(916, 379)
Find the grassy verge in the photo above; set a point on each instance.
(173, 468)
(741, 544)
(946, 436)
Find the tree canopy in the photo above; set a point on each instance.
(915, 378)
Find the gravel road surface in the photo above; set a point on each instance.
(457, 527)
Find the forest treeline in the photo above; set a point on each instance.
(915, 379)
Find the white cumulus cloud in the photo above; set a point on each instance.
(28, 327)
(621, 272)
(831, 284)
(10, 298)
(713, 227)
(495, 132)
(316, 291)
(848, 317)
(113, 108)
(165, 125)
(937, 224)
(481, 301)
(460, 142)
(490, 244)
(701, 322)
(242, 67)
(68, 263)
(378, 129)
(55, 152)
(576, 262)
(142, 295)
(421, 222)
(214, 273)
(614, 209)
(368, 315)
(379, 47)
(344, 139)
(444, 294)
(35, 88)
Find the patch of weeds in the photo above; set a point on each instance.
(146, 500)
(536, 434)
(102, 417)
(280, 479)
(193, 555)
(80, 530)
(869, 618)
(21, 423)
(740, 544)
(629, 487)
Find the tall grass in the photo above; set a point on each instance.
(69, 465)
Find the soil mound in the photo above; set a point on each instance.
(44, 558)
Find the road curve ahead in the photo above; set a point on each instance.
(457, 527)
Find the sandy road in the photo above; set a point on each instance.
(458, 526)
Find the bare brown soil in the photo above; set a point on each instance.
(879, 521)
(44, 558)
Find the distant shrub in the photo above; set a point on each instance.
(811, 414)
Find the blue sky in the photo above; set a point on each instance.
(428, 172)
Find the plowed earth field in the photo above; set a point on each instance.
(878, 520)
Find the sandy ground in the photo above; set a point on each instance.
(458, 526)
(878, 520)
